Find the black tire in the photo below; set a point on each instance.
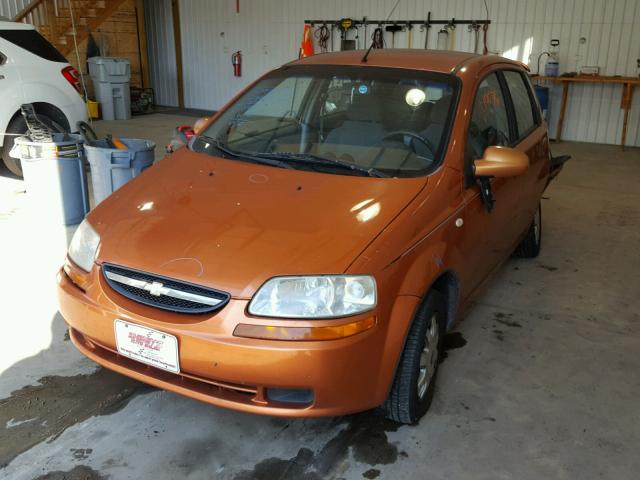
(404, 403)
(19, 126)
(530, 245)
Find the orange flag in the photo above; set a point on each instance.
(306, 46)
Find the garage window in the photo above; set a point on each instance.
(522, 105)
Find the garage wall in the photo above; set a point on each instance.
(269, 31)
(161, 51)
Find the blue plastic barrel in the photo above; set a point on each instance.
(55, 177)
(111, 168)
(543, 99)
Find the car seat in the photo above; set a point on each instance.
(362, 125)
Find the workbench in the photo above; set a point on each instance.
(628, 85)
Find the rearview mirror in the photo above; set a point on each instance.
(501, 162)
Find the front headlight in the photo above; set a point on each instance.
(325, 296)
(84, 246)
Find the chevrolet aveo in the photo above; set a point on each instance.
(307, 252)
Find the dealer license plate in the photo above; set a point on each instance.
(146, 345)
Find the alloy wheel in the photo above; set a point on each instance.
(429, 356)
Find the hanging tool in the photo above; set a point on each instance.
(485, 28)
(332, 27)
(322, 35)
(443, 39)
(364, 21)
(377, 38)
(451, 27)
(393, 29)
(345, 25)
(409, 28)
(364, 57)
(475, 28)
(426, 27)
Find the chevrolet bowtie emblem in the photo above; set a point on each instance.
(156, 289)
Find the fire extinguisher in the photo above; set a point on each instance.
(236, 61)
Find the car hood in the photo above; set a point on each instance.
(231, 225)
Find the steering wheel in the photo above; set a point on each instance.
(413, 135)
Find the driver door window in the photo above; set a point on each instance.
(489, 121)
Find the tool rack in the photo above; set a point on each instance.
(425, 23)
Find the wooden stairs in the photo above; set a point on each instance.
(52, 18)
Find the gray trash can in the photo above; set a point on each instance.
(111, 168)
(55, 177)
(111, 78)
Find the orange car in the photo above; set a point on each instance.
(306, 253)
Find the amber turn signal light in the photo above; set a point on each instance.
(75, 275)
(269, 332)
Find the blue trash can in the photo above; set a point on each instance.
(111, 168)
(55, 177)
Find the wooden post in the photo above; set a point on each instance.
(625, 104)
(142, 45)
(563, 109)
(175, 7)
(51, 21)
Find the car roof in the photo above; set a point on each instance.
(15, 26)
(443, 61)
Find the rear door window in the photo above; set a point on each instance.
(33, 42)
(522, 105)
(489, 121)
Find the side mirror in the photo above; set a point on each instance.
(501, 162)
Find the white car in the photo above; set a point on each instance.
(33, 71)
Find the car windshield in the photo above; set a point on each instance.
(339, 119)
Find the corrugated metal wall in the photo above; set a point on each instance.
(162, 51)
(269, 31)
(10, 8)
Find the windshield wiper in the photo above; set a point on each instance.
(226, 151)
(310, 158)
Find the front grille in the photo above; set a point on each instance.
(162, 292)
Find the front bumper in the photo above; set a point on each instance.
(227, 371)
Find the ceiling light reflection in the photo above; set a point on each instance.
(369, 212)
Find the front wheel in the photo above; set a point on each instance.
(414, 383)
(530, 245)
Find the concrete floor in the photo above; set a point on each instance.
(543, 383)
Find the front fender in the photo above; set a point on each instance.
(400, 318)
